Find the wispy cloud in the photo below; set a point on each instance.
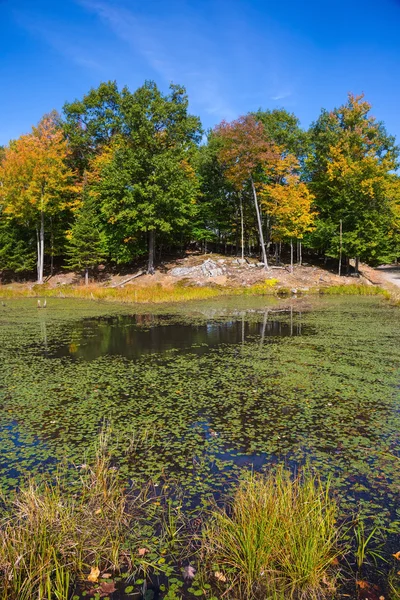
(281, 95)
(175, 50)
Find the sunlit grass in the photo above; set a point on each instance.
(277, 538)
(355, 289)
(52, 535)
(141, 294)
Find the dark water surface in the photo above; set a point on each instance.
(133, 336)
(206, 390)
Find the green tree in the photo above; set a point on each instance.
(217, 205)
(147, 183)
(85, 248)
(17, 246)
(91, 123)
(283, 129)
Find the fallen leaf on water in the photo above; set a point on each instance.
(106, 588)
(94, 574)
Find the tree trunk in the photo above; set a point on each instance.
(51, 247)
(260, 231)
(356, 265)
(340, 247)
(291, 255)
(242, 226)
(40, 243)
(299, 255)
(152, 238)
(38, 254)
(86, 276)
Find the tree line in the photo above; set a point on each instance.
(121, 175)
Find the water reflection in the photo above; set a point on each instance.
(134, 336)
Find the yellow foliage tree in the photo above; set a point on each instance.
(36, 180)
(288, 202)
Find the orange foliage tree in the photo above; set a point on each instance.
(35, 179)
(245, 151)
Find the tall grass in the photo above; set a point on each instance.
(277, 538)
(51, 537)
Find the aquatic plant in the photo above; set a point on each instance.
(52, 535)
(277, 537)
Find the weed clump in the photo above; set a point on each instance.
(51, 537)
(277, 538)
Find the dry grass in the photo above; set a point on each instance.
(155, 294)
(51, 537)
(277, 538)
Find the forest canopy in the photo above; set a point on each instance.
(122, 175)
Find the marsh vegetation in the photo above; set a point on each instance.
(197, 398)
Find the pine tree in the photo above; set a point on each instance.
(85, 249)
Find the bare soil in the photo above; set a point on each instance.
(236, 273)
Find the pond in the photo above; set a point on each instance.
(206, 390)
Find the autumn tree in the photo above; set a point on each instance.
(288, 201)
(244, 152)
(351, 175)
(36, 181)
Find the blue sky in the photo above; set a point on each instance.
(233, 56)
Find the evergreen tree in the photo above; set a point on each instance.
(85, 249)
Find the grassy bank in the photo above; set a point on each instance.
(355, 290)
(179, 292)
(155, 294)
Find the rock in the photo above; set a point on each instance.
(260, 264)
(209, 268)
(183, 271)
